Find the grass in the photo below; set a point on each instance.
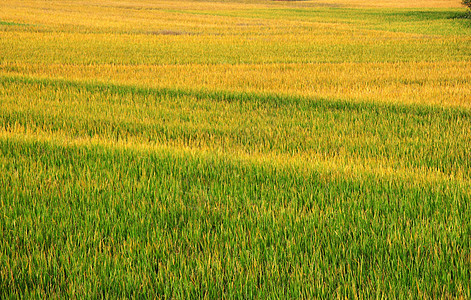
(267, 150)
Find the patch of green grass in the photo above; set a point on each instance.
(12, 23)
(420, 21)
(91, 221)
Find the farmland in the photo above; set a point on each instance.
(237, 149)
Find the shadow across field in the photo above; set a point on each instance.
(414, 138)
(274, 100)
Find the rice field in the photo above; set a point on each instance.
(235, 149)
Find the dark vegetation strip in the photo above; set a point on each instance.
(274, 100)
(89, 221)
(432, 142)
(12, 23)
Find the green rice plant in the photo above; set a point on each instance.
(235, 149)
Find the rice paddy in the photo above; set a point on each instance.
(235, 149)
